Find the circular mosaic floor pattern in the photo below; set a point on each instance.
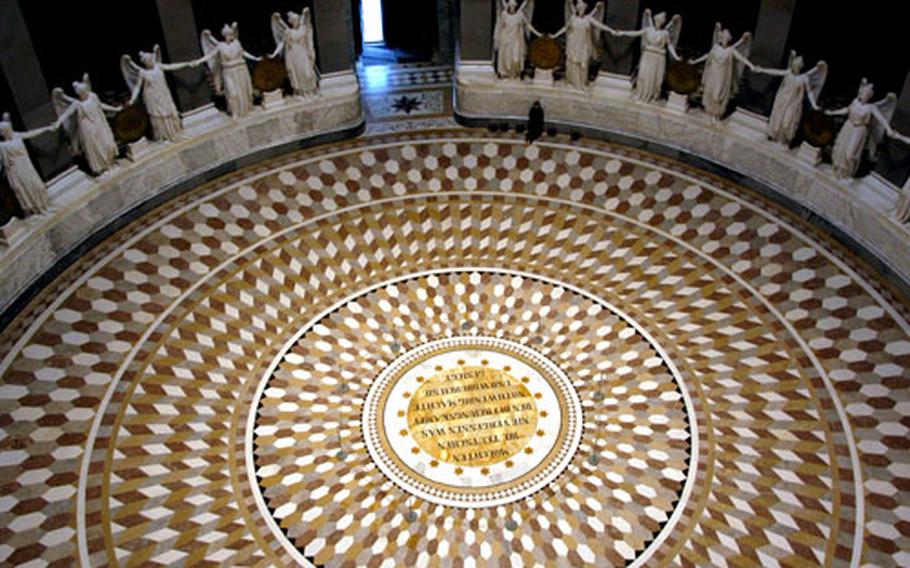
(472, 434)
(637, 421)
(198, 390)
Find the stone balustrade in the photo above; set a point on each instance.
(863, 209)
(86, 208)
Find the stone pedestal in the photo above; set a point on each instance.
(748, 124)
(272, 99)
(66, 182)
(678, 103)
(902, 211)
(202, 119)
(612, 85)
(12, 232)
(543, 77)
(809, 154)
(137, 149)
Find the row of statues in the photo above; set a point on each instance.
(724, 65)
(82, 115)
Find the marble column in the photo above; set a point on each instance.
(902, 113)
(619, 51)
(769, 43)
(181, 40)
(334, 35)
(475, 37)
(445, 16)
(894, 156)
(769, 49)
(29, 90)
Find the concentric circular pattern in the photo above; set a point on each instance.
(633, 458)
(472, 435)
(130, 384)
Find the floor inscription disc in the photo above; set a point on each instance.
(472, 416)
(472, 421)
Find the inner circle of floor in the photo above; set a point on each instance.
(130, 383)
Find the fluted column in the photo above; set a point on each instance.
(334, 35)
(769, 46)
(475, 37)
(902, 114)
(181, 39)
(445, 16)
(621, 15)
(29, 88)
(772, 30)
(894, 156)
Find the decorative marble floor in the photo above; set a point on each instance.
(404, 98)
(200, 388)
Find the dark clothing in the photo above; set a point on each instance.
(535, 123)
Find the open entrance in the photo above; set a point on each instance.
(397, 31)
(371, 11)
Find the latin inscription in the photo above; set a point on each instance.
(472, 416)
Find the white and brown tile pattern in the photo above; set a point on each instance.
(129, 386)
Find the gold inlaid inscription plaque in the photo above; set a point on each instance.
(471, 421)
(472, 416)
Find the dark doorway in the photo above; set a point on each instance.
(397, 31)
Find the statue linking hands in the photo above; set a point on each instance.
(788, 102)
(513, 22)
(149, 80)
(295, 38)
(27, 185)
(656, 41)
(902, 212)
(84, 120)
(582, 34)
(866, 124)
(227, 62)
(723, 70)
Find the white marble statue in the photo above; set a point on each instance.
(295, 38)
(227, 62)
(23, 178)
(788, 102)
(866, 123)
(724, 65)
(902, 213)
(84, 120)
(510, 37)
(149, 81)
(582, 35)
(656, 40)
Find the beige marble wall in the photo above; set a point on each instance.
(83, 204)
(862, 208)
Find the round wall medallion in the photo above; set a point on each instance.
(269, 74)
(544, 53)
(682, 77)
(131, 123)
(818, 128)
(472, 421)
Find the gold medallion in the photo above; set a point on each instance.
(472, 416)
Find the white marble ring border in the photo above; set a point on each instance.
(831, 257)
(691, 473)
(371, 421)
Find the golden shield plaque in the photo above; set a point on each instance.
(545, 53)
(269, 74)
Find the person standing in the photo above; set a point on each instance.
(535, 123)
